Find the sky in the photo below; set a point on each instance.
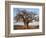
(34, 10)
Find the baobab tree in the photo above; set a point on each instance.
(25, 16)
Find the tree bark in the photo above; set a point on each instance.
(27, 25)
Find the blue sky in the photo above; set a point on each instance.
(34, 10)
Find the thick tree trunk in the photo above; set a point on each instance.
(27, 24)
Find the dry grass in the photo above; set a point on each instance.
(25, 27)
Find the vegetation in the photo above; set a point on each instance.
(25, 16)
